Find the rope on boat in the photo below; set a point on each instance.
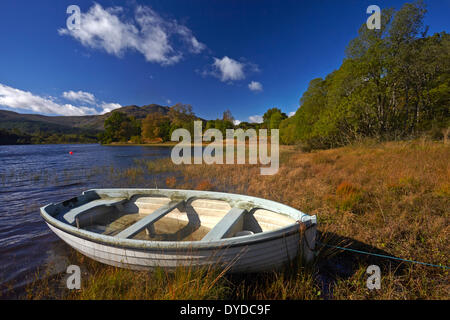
(381, 255)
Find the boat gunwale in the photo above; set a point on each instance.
(233, 199)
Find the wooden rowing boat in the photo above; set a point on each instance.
(147, 228)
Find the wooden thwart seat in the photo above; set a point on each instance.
(149, 220)
(74, 213)
(231, 223)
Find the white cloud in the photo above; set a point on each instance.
(24, 100)
(79, 96)
(255, 86)
(194, 45)
(291, 113)
(228, 69)
(197, 47)
(89, 98)
(108, 107)
(148, 34)
(237, 122)
(169, 101)
(255, 119)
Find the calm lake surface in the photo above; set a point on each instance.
(32, 176)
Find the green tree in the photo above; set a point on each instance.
(119, 128)
(393, 83)
(272, 118)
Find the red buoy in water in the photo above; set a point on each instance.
(70, 152)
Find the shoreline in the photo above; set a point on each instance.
(161, 144)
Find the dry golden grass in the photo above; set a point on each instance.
(390, 198)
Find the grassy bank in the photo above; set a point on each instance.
(391, 198)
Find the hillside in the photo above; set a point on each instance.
(30, 123)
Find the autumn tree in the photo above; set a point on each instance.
(156, 126)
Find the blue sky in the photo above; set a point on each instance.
(245, 56)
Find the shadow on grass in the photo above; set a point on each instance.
(333, 264)
(319, 278)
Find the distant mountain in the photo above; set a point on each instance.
(30, 123)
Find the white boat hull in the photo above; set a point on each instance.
(265, 256)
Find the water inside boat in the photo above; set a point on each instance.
(192, 223)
